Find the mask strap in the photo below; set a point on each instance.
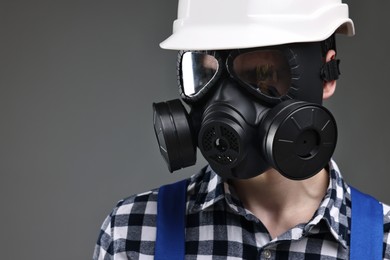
(330, 70)
(328, 44)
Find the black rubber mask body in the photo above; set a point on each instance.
(241, 136)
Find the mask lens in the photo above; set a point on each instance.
(268, 71)
(197, 71)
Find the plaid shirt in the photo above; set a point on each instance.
(219, 227)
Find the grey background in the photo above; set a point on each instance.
(77, 80)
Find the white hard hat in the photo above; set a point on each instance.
(231, 24)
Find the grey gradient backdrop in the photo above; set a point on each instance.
(77, 80)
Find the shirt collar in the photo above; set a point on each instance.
(207, 189)
(334, 208)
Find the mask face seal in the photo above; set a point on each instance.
(250, 110)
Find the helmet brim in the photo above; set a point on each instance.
(255, 34)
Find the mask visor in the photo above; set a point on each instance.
(198, 70)
(266, 71)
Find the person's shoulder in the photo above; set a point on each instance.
(146, 202)
(140, 203)
(125, 222)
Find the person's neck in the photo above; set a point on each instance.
(281, 203)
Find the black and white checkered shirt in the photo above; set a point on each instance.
(219, 227)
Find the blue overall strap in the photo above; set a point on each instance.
(171, 207)
(366, 227)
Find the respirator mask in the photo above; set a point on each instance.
(250, 110)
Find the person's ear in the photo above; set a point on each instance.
(329, 86)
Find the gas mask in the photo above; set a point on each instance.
(250, 110)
